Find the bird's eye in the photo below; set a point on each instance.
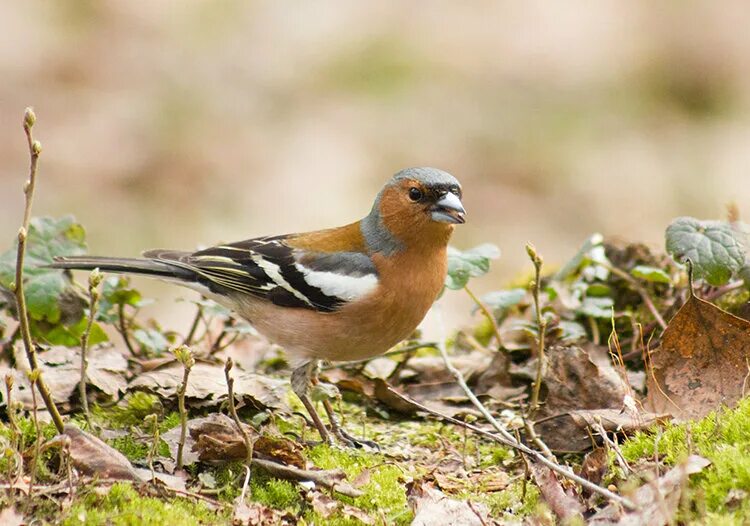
(415, 194)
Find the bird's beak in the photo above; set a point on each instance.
(448, 209)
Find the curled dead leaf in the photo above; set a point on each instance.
(703, 362)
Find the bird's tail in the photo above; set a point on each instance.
(143, 266)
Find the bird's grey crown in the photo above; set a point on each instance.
(427, 176)
(377, 237)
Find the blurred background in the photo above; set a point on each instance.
(184, 123)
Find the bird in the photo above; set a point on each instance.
(339, 294)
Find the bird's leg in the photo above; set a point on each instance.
(302, 378)
(338, 431)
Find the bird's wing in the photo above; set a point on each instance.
(269, 268)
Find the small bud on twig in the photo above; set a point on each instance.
(36, 147)
(29, 118)
(184, 355)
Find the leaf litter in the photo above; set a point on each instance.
(700, 363)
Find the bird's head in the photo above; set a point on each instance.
(417, 205)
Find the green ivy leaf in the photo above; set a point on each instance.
(652, 274)
(502, 300)
(151, 340)
(712, 247)
(471, 263)
(596, 307)
(583, 256)
(68, 335)
(116, 291)
(44, 287)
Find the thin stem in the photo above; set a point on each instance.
(123, 329)
(233, 411)
(487, 314)
(541, 324)
(35, 148)
(34, 378)
(503, 435)
(194, 326)
(642, 292)
(94, 279)
(185, 357)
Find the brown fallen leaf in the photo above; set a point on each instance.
(254, 514)
(569, 432)
(95, 458)
(61, 368)
(215, 438)
(11, 517)
(577, 378)
(657, 501)
(207, 386)
(432, 507)
(702, 363)
(327, 506)
(563, 503)
(594, 467)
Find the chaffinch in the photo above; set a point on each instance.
(345, 293)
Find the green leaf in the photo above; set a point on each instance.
(151, 340)
(501, 300)
(44, 287)
(582, 256)
(712, 246)
(68, 335)
(596, 307)
(652, 274)
(42, 294)
(471, 263)
(116, 291)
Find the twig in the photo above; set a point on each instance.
(194, 326)
(34, 379)
(541, 324)
(487, 314)
(724, 289)
(95, 278)
(502, 438)
(233, 410)
(185, 357)
(505, 437)
(35, 148)
(327, 479)
(123, 329)
(642, 292)
(15, 433)
(153, 420)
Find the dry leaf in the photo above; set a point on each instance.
(561, 502)
(432, 507)
(569, 432)
(11, 517)
(575, 380)
(702, 363)
(327, 506)
(594, 466)
(207, 386)
(95, 458)
(255, 514)
(61, 368)
(657, 501)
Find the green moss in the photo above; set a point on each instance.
(275, 493)
(723, 438)
(132, 412)
(123, 506)
(129, 446)
(511, 503)
(384, 493)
